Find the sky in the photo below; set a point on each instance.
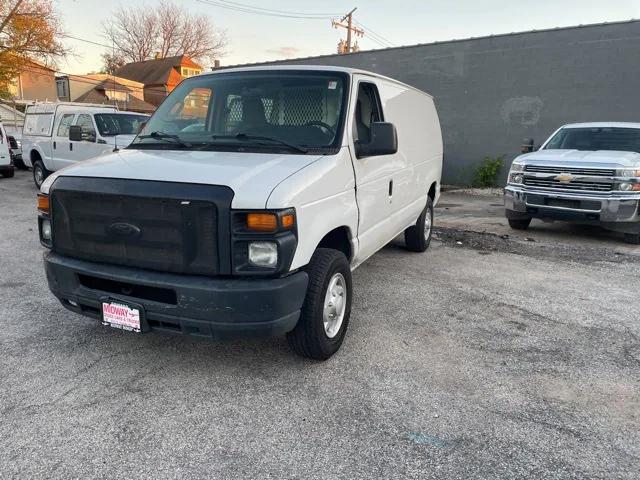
(255, 38)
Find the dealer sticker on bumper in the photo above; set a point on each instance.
(121, 316)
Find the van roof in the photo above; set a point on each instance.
(313, 68)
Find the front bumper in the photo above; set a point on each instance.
(193, 305)
(613, 211)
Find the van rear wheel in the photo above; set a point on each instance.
(40, 173)
(326, 308)
(418, 236)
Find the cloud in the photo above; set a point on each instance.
(287, 52)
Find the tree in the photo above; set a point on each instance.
(111, 63)
(139, 34)
(29, 30)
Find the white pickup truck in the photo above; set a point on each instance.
(245, 203)
(56, 135)
(584, 172)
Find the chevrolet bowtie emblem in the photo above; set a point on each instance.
(564, 178)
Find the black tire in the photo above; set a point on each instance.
(519, 224)
(8, 173)
(39, 169)
(416, 237)
(309, 338)
(632, 238)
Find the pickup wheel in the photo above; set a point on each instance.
(632, 238)
(418, 236)
(519, 224)
(326, 308)
(19, 164)
(40, 173)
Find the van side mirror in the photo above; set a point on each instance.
(527, 145)
(384, 141)
(75, 133)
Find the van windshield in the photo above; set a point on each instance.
(119, 123)
(596, 138)
(294, 111)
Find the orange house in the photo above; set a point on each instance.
(160, 75)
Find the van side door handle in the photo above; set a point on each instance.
(390, 188)
(70, 146)
(54, 145)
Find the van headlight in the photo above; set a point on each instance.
(263, 254)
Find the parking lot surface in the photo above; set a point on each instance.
(486, 357)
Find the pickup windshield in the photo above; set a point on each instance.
(596, 138)
(294, 111)
(119, 123)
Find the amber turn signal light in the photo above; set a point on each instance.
(288, 221)
(262, 222)
(43, 203)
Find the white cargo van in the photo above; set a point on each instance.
(6, 165)
(244, 205)
(56, 135)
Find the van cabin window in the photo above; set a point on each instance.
(65, 122)
(304, 109)
(368, 110)
(88, 131)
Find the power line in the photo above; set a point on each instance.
(273, 10)
(244, 8)
(376, 36)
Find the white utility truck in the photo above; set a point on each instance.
(6, 165)
(59, 134)
(244, 205)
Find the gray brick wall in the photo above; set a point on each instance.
(492, 92)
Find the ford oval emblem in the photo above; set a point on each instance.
(124, 230)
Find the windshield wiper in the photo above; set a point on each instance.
(248, 137)
(166, 136)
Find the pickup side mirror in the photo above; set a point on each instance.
(384, 141)
(75, 133)
(527, 145)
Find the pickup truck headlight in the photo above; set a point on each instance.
(515, 173)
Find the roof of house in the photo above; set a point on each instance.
(98, 95)
(156, 71)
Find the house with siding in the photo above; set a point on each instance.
(34, 82)
(160, 75)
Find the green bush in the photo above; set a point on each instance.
(488, 171)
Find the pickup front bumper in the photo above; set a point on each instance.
(618, 212)
(213, 307)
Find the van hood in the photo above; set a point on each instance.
(252, 176)
(605, 158)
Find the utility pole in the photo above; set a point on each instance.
(347, 48)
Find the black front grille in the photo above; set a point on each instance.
(573, 185)
(167, 234)
(592, 172)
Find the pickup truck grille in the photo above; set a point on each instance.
(592, 172)
(166, 234)
(573, 185)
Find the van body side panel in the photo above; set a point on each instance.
(323, 194)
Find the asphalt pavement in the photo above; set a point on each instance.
(485, 357)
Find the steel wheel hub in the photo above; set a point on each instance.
(335, 305)
(427, 224)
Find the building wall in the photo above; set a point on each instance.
(38, 84)
(492, 92)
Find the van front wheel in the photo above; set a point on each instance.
(418, 237)
(326, 308)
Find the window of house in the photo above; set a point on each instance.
(368, 111)
(88, 130)
(65, 123)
